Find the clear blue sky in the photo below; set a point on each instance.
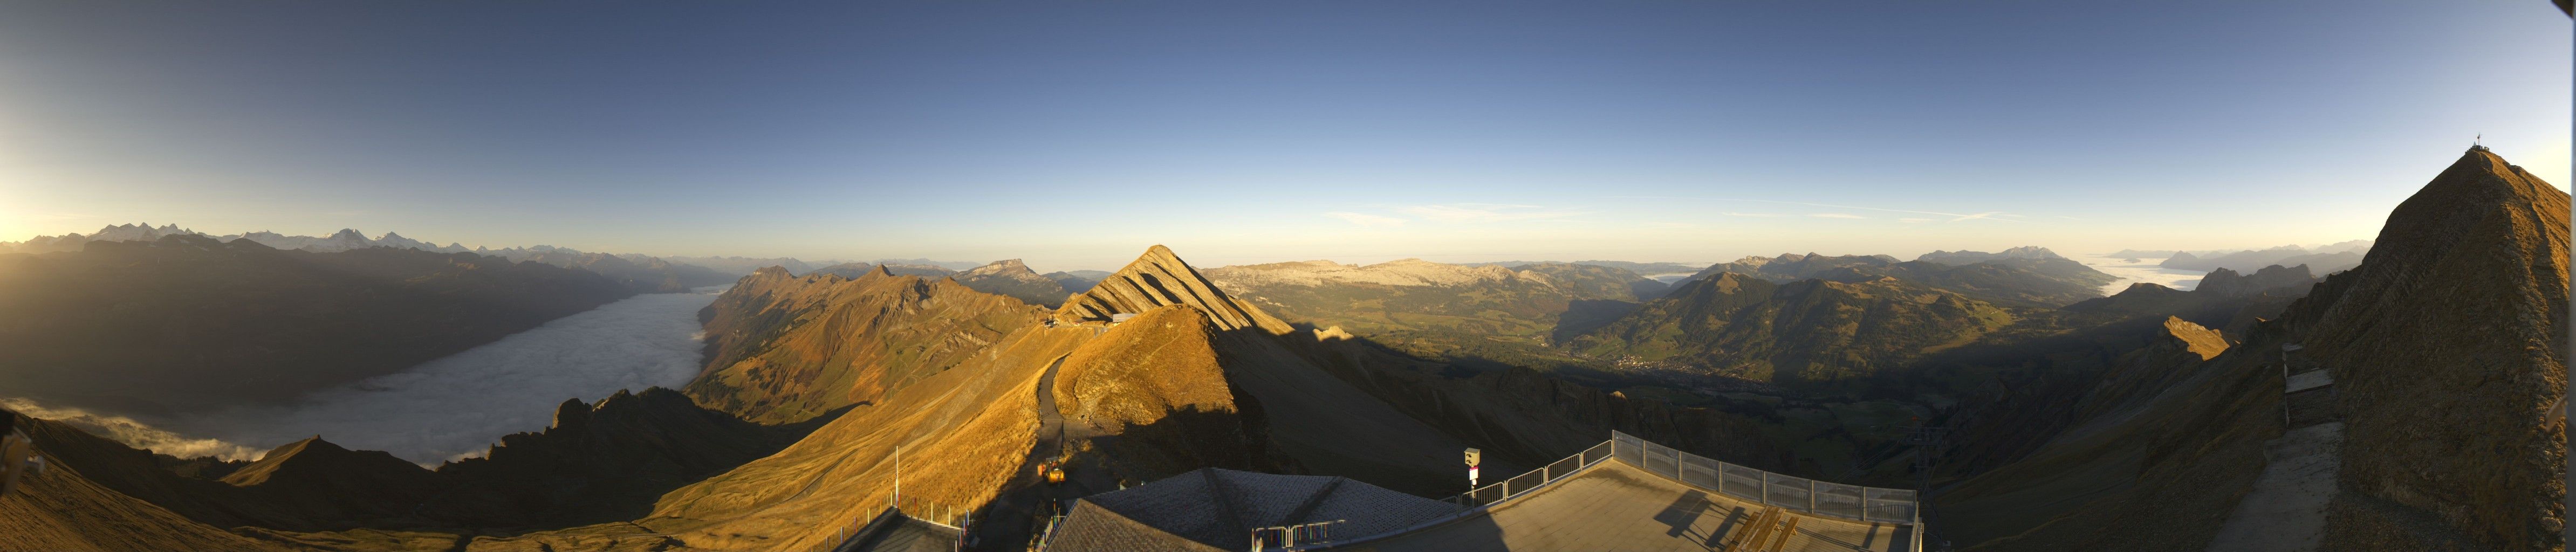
(1074, 134)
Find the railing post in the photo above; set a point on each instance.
(1766, 488)
(1811, 496)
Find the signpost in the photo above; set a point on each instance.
(1473, 456)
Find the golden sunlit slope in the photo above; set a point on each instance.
(963, 431)
(789, 348)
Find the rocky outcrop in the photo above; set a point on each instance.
(1013, 279)
(1160, 278)
(2448, 349)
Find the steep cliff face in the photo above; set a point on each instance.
(2447, 347)
(784, 348)
(1014, 279)
(1160, 278)
(1803, 332)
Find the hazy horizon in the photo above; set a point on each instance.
(1073, 136)
(1212, 262)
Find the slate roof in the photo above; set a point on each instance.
(1216, 509)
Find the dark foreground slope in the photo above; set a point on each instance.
(188, 323)
(2444, 346)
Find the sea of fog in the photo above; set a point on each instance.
(2144, 270)
(452, 407)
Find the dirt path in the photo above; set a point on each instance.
(1009, 521)
(2286, 512)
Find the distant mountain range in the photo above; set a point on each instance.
(187, 322)
(2322, 259)
(2321, 262)
(642, 273)
(1641, 269)
(2021, 275)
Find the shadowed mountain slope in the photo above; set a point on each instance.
(188, 323)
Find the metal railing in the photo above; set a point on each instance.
(944, 515)
(1788, 492)
(1526, 482)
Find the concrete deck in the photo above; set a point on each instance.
(1616, 506)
